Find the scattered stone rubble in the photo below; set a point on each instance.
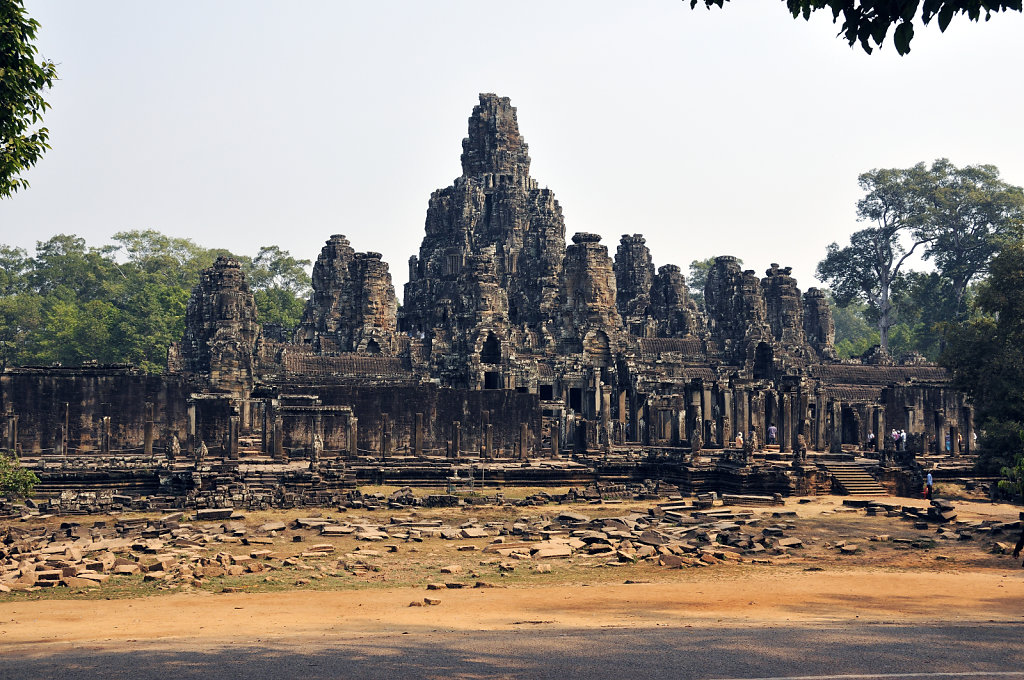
(216, 543)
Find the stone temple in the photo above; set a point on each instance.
(512, 352)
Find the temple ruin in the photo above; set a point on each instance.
(513, 354)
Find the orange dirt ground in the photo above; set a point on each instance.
(889, 591)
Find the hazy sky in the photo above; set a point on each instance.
(737, 131)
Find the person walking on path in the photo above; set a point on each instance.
(1020, 541)
(928, 486)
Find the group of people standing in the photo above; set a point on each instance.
(899, 439)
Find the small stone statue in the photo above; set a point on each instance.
(318, 449)
(800, 450)
(201, 452)
(174, 447)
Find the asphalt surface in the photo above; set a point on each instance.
(535, 650)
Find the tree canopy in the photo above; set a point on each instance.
(23, 79)
(869, 21)
(957, 218)
(125, 302)
(986, 357)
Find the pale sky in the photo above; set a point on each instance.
(738, 131)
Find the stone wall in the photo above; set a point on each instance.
(83, 397)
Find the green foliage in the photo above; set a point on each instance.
(961, 216)
(986, 357)
(15, 481)
(969, 214)
(698, 278)
(854, 335)
(123, 303)
(22, 82)
(280, 285)
(869, 21)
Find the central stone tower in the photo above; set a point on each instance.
(490, 265)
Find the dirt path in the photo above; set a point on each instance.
(771, 597)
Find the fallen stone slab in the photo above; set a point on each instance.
(211, 514)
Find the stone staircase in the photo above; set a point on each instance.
(853, 479)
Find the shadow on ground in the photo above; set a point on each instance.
(537, 651)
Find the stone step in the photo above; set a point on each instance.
(853, 479)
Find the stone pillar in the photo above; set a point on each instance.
(385, 435)
(968, 421)
(820, 421)
(606, 414)
(836, 444)
(757, 417)
(278, 439)
(489, 441)
(105, 434)
(884, 440)
(785, 424)
(622, 408)
(12, 432)
(265, 437)
(147, 431)
(742, 406)
(65, 437)
(707, 408)
(727, 430)
(873, 422)
(233, 428)
(694, 426)
(352, 436)
(940, 431)
(456, 439)
(245, 416)
(190, 428)
(524, 441)
(417, 437)
(801, 422)
(556, 445)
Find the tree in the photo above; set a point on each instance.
(15, 481)
(872, 264)
(22, 82)
(854, 335)
(969, 213)
(986, 357)
(280, 285)
(867, 21)
(124, 303)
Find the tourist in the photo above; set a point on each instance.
(903, 440)
(871, 441)
(739, 440)
(772, 433)
(1020, 541)
(949, 443)
(928, 486)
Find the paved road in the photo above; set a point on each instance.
(859, 651)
